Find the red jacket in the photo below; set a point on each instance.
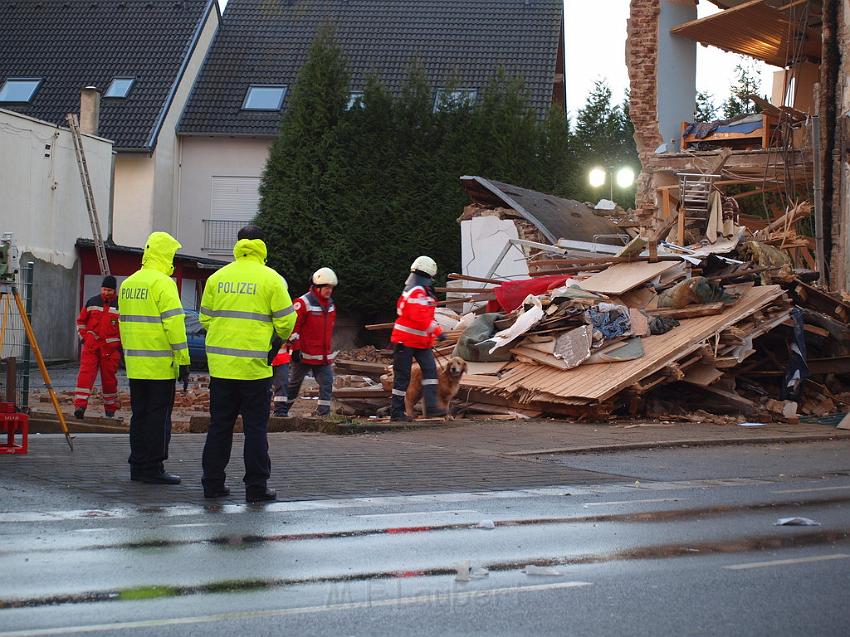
(415, 326)
(314, 328)
(98, 323)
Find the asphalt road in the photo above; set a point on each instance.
(684, 542)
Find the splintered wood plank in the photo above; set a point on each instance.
(477, 368)
(691, 311)
(601, 382)
(622, 277)
(702, 375)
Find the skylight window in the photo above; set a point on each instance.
(455, 98)
(19, 90)
(264, 98)
(119, 87)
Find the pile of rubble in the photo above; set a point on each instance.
(730, 325)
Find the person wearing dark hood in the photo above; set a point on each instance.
(153, 333)
(413, 336)
(97, 326)
(244, 305)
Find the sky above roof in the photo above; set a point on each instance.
(595, 49)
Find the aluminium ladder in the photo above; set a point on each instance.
(88, 193)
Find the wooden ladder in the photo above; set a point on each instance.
(88, 192)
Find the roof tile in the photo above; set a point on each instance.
(267, 41)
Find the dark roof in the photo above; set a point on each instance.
(264, 42)
(203, 262)
(76, 43)
(556, 218)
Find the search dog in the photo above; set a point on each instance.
(449, 383)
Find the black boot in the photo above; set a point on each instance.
(253, 496)
(162, 477)
(429, 396)
(397, 413)
(218, 492)
(79, 413)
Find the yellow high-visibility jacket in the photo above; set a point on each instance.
(243, 304)
(153, 329)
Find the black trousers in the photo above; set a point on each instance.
(228, 399)
(402, 362)
(151, 402)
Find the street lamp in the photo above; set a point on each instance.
(598, 176)
(625, 177)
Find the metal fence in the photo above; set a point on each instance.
(16, 354)
(220, 234)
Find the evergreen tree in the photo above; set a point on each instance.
(747, 83)
(303, 230)
(508, 133)
(557, 176)
(705, 109)
(603, 137)
(367, 189)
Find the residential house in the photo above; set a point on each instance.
(42, 207)
(143, 57)
(235, 109)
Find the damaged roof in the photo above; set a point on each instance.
(556, 218)
(779, 35)
(463, 42)
(71, 45)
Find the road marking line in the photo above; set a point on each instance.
(645, 501)
(188, 525)
(813, 489)
(801, 560)
(185, 510)
(451, 597)
(396, 515)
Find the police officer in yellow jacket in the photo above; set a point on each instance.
(153, 334)
(244, 304)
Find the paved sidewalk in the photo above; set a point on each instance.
(460, 457)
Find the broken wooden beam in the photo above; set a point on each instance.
(691, 311)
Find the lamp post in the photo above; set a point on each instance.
(597, 177)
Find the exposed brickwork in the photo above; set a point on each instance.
(642, 63)
(839, 272)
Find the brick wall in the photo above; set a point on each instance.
(642, 62)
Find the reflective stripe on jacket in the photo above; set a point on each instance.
(97, 323)
(153, 330)
(243, 304)
(314, 329)
(415, 325)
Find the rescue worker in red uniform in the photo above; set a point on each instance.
(311, 341)
(413, 336)
(97, 325)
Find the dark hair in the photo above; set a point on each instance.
(251, 232)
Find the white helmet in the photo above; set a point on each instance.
(324, 276)
(425, 264)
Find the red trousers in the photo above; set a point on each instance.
(92, 358)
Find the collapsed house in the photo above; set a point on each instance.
(709, 306)
(795, 148)
(729, 322)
